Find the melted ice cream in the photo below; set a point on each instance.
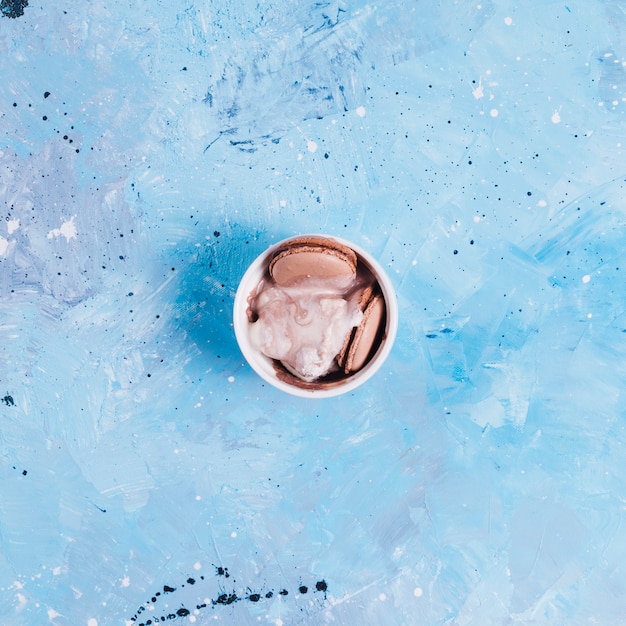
(304, 325)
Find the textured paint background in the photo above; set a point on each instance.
(150, 150)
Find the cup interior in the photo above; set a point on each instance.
(272, 371)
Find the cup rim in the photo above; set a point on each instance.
(263, 365)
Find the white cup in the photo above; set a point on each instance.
(265, 367)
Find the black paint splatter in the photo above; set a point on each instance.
(224, 597)
(13, 8)
(8, 400)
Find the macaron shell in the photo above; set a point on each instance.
(296, 263)
(314, 241)
(362, 298)
(364, 338)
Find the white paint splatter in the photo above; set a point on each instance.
(4, 245)
(493, 112)
(68, 230)
(126, 581)
(21, 602)
(231, 379)
(586, 278)
(556, 116)
(52, 614)
(360, 111)
(382, 597)
(13, 225)
(197, 565)
(311, 146)
(478, 93)
(508, 21)
(418, 592)
(233, 534)
(92, 621)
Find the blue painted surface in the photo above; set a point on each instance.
(149, 152)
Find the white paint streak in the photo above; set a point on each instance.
(4, 245)
(13, 225)
(160, 288)
(356, 439)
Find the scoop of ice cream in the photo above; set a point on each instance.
(304, 325)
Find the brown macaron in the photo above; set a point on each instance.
(360, 343)
(306, 257)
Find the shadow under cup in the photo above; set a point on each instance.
(334, 383)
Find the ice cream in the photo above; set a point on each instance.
(318, 311)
